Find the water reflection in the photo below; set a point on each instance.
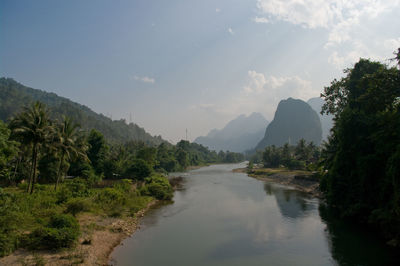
(225, 218)
(292, 203)
(351, 244)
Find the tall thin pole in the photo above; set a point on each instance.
(186, 135)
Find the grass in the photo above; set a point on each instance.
(281, 171)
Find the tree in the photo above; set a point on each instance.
(182, 157)
(271, 157)
(97, 151)
(362, 156)
(8, 152)
(139, 170)
(66, 142)
(32, 127)
(148, 154)
(301, 151)
(286, 154)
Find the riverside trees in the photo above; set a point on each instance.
(39, 149)
(362, 157)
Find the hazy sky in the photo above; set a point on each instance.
(177, 64)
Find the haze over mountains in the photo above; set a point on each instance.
(294, 119)
(238, 135)
(326, 120)
(14, 96)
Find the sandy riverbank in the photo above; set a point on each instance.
(100, 235)
(296, 179)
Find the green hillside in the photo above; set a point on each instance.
(14, 96)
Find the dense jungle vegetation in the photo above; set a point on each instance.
(361, 159)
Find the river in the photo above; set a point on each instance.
(227, 218)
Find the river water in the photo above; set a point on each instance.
(227, 218)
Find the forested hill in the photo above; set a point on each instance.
(14, 96)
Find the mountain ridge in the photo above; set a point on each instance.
(294, 119)
(14, 96)
(238, 135)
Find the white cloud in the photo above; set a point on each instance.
(261, 20)
(256, 82)
(231, 31)
(323, 13)
(392, 44)
(262, 93)
(352, 25)
(144, 79)
(217, 10)
(308, 13)
(278, 87)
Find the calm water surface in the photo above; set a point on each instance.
(226, 218)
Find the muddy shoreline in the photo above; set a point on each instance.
(306, 185)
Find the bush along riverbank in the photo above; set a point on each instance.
(78, 224)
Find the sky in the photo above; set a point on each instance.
(184, 64)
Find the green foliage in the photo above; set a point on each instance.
(362, 156)
(62, 231)
(124, 185)
(159, 187)
(111, 196)
(182, 157)
(32, 128)
(97, 151)
(139, 170)
(293, 157)
(77, 205)
(8, 153)
(8, 222)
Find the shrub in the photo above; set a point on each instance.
(60, 221)
(62, 231)
(159, 187)
(294, 164)
(110, 196)
(7, 243)
(123, 185)
(63, 194)
(78, 187)
(8, 222)
(77, 205)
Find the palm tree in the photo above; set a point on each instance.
(69, 144)
(33, 128)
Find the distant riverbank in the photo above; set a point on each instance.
(301, 180)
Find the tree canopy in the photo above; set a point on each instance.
(362, 156)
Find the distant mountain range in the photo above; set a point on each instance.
(326, 120)
(294, 119)
(14, 96)
(239, 135)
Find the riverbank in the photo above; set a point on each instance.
(299, 179)
(100, 235)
